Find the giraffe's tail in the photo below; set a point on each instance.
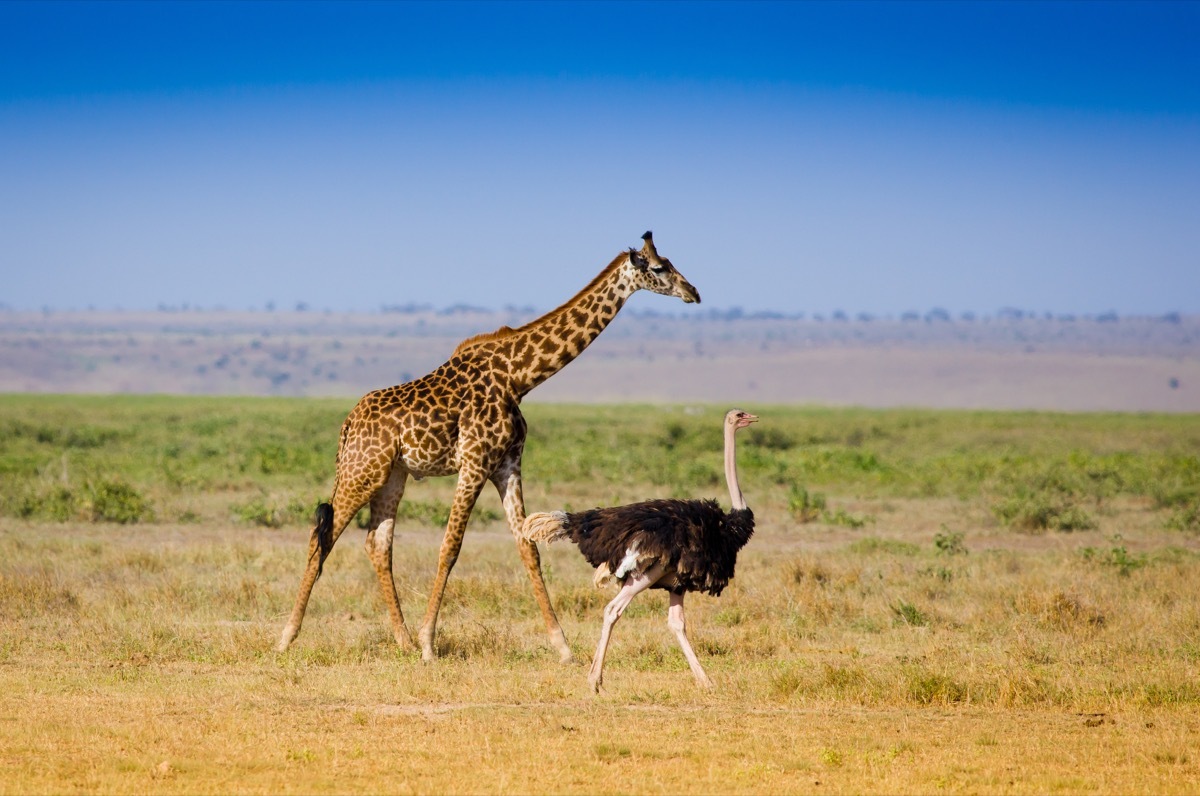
(545, 526)
(323, 533)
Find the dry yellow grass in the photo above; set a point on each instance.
(139, 659)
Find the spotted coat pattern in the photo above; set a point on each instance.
(465, 418)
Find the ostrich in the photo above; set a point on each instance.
(677, 545)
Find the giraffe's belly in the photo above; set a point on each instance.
(424, 463)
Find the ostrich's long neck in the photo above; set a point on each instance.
(735, 492)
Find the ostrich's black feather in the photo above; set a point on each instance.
(696, 540)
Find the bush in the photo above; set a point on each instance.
(1186, 518)
(804, 506)
(770, 438)
(1039, 511)
(950, 543)
(927, 688)
(273, 514)
(846, 519)
(1117, 557)
(57, 504)
(910, 614)
(116, 501)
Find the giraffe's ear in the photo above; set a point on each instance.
(639, 260)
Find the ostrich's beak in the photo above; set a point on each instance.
(747, 420)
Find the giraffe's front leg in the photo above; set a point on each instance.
(470, 483)
(508, 483)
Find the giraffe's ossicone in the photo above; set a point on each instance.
(465, 418)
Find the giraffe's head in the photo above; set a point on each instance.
(654, 273)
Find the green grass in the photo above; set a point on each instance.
(269, 461)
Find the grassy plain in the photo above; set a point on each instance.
(934, 601)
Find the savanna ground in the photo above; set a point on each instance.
(934, 601)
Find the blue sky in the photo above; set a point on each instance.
(797, 157)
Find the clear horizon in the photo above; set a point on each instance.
(798, 158)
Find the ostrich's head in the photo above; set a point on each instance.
(654, 273)
(736, 418)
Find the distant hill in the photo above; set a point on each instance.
(1010, 360)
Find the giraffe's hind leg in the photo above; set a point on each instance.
(331, 521)
(379, 549)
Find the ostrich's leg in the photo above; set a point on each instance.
(634, 585)
(678, 626)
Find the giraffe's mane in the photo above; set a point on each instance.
(505, 331)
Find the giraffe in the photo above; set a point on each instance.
(465, 418)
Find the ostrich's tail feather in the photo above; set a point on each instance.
(545, 526)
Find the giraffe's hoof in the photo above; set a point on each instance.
(558, 640)
(425, 637)
(286, 640)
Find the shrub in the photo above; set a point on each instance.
(927, 688)
(949, 543)
(1039, 511)
(909, 614)
(805, 506)
(1117, 557)
(846, 519)
(258, 512)
(116, 501)
(270, 513)
(57, 504)
(672, 435)
(1185, 518)
(770, 438)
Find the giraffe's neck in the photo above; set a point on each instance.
(545, 346)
